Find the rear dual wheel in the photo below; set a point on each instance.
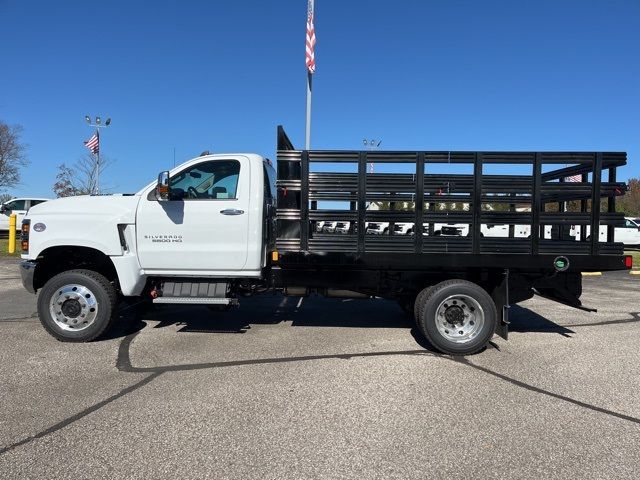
(458, 317)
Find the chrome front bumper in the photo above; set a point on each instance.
(27, 270)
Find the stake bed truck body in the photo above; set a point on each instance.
(220, 227)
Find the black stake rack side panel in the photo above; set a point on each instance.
(533, 205)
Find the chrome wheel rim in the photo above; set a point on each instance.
(73, 307)
(459, 318)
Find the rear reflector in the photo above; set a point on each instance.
(628, 261)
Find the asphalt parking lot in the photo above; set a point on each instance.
(316, 388)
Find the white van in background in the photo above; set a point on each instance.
(19, 206)
(629, 234)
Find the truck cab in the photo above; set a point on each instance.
(211, 221)
(211, 218)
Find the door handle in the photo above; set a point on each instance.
(232, 211)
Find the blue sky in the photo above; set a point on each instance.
(433, 75)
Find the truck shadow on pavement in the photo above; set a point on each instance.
(313, 312)
(524, 320)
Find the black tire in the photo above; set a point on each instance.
(419, 305)
(427, 316)
(105, 298)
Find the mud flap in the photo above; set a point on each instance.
(500, 297)
(563, 288)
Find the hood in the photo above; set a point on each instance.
(86, 221)
(114, 208)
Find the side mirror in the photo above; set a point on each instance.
(162, 189)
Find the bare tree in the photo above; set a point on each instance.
(81, 178)
(5, 197)
(87, 172)
(65, 182)
(12, 155)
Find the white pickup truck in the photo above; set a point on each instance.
(629, 233)
(19, 206)
(208, 233)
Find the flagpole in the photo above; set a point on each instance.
(307, 143)
(98, 164)
(310, 60)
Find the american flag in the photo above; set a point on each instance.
(93, 143)
(573, 178)
(311, 40)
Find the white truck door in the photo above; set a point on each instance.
(205, 225)
(19, 207)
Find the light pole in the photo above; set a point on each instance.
(98, 124)
(371, 145)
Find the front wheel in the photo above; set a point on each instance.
(77, 306)
(458, 317)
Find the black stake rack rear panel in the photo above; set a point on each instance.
(536, 199)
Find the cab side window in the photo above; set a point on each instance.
(16, 205)
(214, 180)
